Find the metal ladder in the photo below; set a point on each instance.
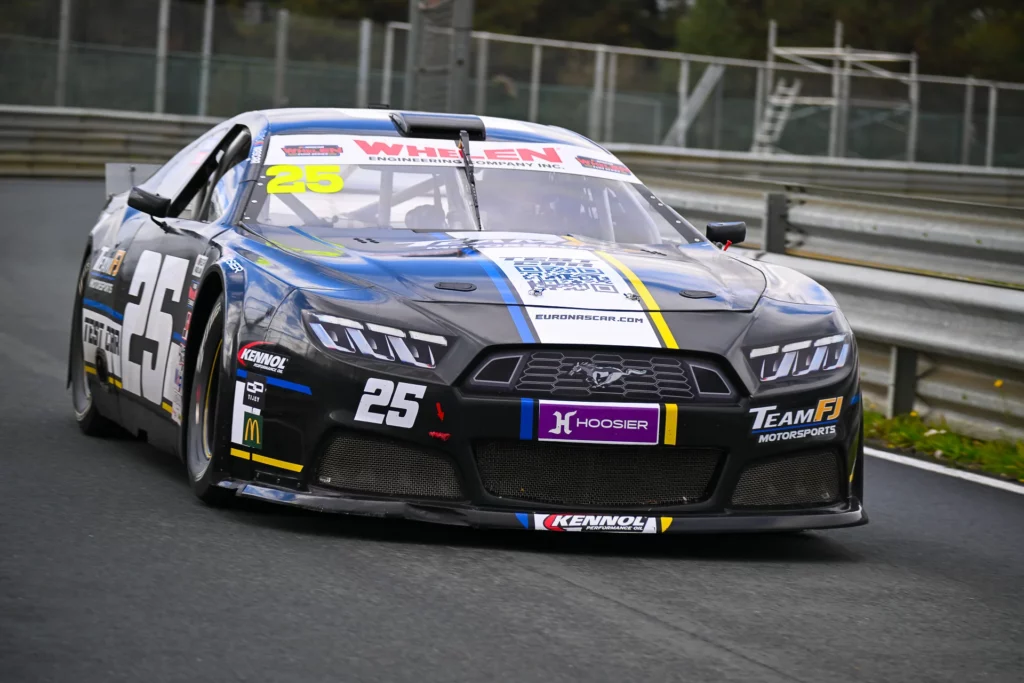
(775, 117)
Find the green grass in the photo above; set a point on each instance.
(937, 442)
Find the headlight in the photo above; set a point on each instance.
(807, 357)
(382, 342)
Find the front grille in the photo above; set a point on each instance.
(807, 480)
(570, 375)
(373, 465)
(598, 476)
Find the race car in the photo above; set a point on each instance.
(460, 319)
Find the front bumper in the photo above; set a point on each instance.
(850, 513)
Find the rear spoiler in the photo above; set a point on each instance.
(123, 177)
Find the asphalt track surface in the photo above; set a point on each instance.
(110, 570)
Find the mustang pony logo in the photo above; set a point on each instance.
(602, 375)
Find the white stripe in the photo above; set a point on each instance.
(948, 471)
(580, 299)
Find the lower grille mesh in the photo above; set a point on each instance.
(604, 476)
(805, 480)
(352, 462)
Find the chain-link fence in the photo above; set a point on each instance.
(109, 54)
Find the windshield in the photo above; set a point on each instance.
(422, 185)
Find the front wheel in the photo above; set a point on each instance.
(203, 443)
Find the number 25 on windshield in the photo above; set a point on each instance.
(288, 178)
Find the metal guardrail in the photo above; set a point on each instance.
(972, 241)
(970, 183)
(943, 347)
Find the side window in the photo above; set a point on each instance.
(224, 192)
(169, 180)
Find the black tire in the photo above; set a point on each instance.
(205, 442)
(90, 421)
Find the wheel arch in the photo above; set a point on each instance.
(76, 308)
(211, 289)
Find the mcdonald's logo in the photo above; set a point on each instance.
(252, 431)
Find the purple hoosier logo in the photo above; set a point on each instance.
(621, 423)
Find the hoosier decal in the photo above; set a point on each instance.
(608, 423)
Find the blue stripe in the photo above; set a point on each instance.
(526, 419)
(102, 276)
(791, 428)
(524, 519)
(514, 309)
(283, 383)
(177, 337)
(855, 400)
(102, 308)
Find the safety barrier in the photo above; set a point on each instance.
(943, 347)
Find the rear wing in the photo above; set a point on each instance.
(122, 177)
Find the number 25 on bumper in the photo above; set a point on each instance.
(382, 393)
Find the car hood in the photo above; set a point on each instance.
(532, 269)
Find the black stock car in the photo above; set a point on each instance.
(461, 320)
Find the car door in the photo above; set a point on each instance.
(160, 276)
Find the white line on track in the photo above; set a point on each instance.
(948, 471)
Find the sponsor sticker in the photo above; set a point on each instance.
(101, 285)
(772, 425)
(601, 165)
(193, 290)
(108, 263)
(312, 150)
(197, 269)
(607, 423)
(255, 391)
(253, 357)
(252, 431)
(628, 524)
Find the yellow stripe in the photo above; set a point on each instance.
(645, 296)
(666, 522)
(244, 455)
(167, 406)
(90, 370)
(294, 467)
(117, 383)
(671, 417)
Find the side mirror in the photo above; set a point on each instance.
(722, 233)
(147, 202)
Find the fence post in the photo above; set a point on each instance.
(758, 103)
(609, 98)
(63, 45)
(534, 83)
(482, 48)
(990, 134)
(682, 93)
(280, 57)
(837, 95)
(412, 55)
(966, 131)
(915, 109)
(363, 73)
(458, 71)
(160, 82)
(775, 222)
(204, 69)
(902, 382)
(389, 65)
(596, 95)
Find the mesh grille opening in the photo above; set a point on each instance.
(807, 480)
(598, 476)
(365, 464)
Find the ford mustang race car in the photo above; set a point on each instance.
(464, 320)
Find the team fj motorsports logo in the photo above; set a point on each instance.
(771, 425)
(252, 357)
(602, 375)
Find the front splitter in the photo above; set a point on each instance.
(615, 521)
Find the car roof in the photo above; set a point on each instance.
(378, 122)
